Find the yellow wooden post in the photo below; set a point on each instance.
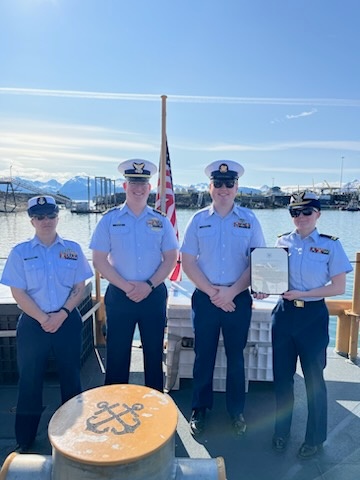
(342, 334)
(354, 313)
(337, 307)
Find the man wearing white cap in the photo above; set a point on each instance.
(135, 249)
(300, 321)
(47, 278)
(215, 256)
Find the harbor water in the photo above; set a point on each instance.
(16, 227)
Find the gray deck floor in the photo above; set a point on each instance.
(251, 456)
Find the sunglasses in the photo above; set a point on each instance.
(305, 211)
(220, 183)
(51, 216)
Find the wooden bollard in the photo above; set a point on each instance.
(112, 432)
(355, 313)
(342, 334)
(347, 333)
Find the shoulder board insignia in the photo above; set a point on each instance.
(160, 213)
(283, 234)
(332, 237)
(111, 210)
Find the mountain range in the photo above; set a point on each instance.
(81, 187)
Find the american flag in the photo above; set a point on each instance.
(167, 205)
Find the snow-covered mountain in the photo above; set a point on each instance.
(77, 188)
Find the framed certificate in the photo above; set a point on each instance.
(269, 270)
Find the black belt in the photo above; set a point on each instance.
(302, 303)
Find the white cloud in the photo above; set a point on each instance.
(302, 114)
(143, 97)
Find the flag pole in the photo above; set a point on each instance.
(163, 155)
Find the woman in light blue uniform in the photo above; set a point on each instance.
(135, 249)
(47, 278)
(215, 255)
(317, 268)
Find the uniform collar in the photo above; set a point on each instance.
(314, 235)
(212, 210)
(36, 241)
(125, 209)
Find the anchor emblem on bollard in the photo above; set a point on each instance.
(109, 418)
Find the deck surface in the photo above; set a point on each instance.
(250, 457)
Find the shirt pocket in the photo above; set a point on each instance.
(67, 272)
(241, 232)
(120, 236)
(319, 258)
(241, 241)
(34, 272)
(154, 238)
(207, 238)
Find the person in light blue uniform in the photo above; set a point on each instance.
(135, 249)
(317, 268)
(47, 278)
(215, 255)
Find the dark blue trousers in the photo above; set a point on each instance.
(122, 315)
(209, 320)
(33, 348)
(300, 333)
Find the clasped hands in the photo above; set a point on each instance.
(138, 291)
(54, 321)
(223, 298)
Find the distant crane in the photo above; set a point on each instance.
(328, 187)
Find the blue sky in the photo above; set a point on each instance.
(273, 84)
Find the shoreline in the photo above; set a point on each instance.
(192, 201)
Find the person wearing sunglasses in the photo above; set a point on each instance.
(135, 248)
(215, 257)
(47, 279)
(317, 268)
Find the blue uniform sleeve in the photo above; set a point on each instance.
(339, 262)
(13, 274)
(83, 270)
(169, 241)
(100, 239)
(190, 242)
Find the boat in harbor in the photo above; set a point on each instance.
(353, 205)
(79, 206)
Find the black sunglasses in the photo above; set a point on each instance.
(220, 183)
(305, 211)
(51, 216)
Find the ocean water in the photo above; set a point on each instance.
(16, 227)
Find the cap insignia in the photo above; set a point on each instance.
(139, 167)
(223, 168)
(298, 197)
(41, 201)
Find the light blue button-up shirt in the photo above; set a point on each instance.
(134, 243)
(46, 273)
(313, 260)
(222, 245)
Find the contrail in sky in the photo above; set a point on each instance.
(143, 97)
